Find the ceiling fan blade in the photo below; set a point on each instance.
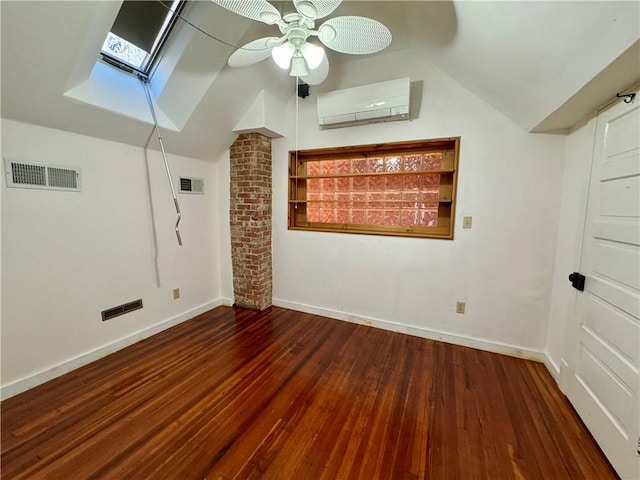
(259, 10)
(316, 8)
(356, 35)
(253, 52)
(319, 74)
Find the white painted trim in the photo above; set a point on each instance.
(226, 302)
(553, 367)
(564, 376)
(454, 338)
(54, 371)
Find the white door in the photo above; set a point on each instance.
(602, 380)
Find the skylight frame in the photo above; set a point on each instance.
(147, 66)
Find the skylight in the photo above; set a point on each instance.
(124, 51)
(138, 33)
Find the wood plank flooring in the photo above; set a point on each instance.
(237, 394)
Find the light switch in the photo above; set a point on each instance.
(466, 222)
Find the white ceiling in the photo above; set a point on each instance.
(542, 64)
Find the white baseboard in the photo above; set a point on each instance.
(564, 375)
(553, 367)
(454, 338)
(226, 302)
(50, 373)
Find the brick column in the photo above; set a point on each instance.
(250, 214)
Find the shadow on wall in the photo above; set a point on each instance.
(427, 24)
(415, 99)
(434, 23)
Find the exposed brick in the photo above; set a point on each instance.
(250, 212)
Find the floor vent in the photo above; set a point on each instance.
(121, 310)
(41, 176)
(191, 185)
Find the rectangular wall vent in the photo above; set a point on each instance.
(191, 185)
(41, 176)
(121, 309)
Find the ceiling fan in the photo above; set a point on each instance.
(348, 34)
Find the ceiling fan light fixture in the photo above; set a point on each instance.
(298, 67)
(312, 54)
(351, 34)
(282, 55)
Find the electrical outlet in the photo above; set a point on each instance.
(460, 307)
(466, 222)
(176, 293)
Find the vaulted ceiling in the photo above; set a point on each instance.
(542, 64)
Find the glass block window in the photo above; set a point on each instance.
(405, 189)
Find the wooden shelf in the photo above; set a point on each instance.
(444, 193)
(372, 174)
(435, 202)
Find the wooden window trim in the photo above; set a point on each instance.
(298, 176)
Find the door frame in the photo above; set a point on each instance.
(571, 324)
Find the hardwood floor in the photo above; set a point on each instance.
(286, 395)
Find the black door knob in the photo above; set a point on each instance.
(577, 281)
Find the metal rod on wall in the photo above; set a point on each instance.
(147, 91)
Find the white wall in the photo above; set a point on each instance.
(224, 226)
(509, 182)
(575, 189)
(67, 256)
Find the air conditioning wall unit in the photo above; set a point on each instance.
(377, 102)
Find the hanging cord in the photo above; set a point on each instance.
(147, 91)
(296, 140)
(178, 15)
